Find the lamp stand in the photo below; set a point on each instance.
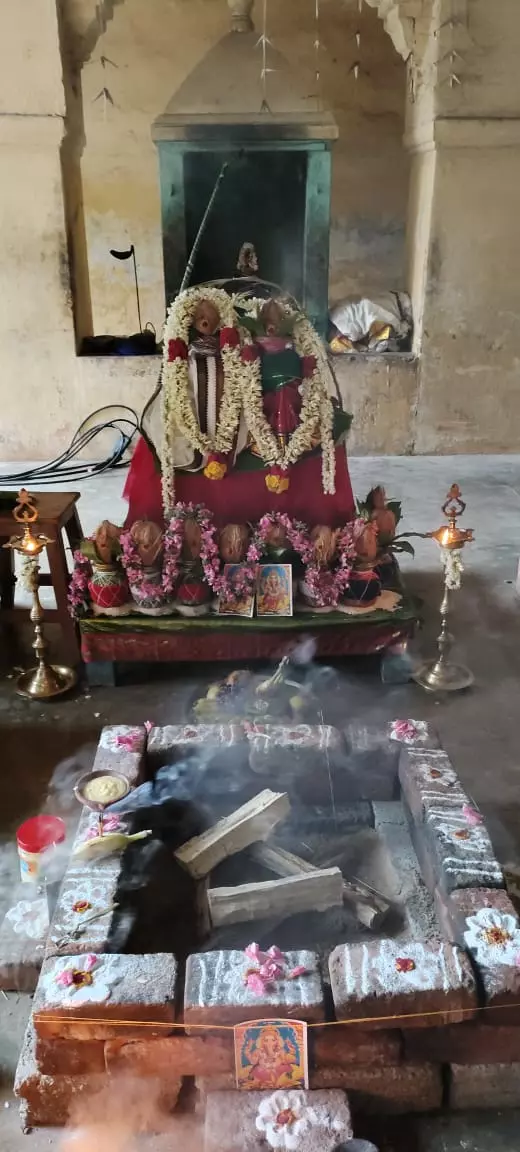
(46, 680)
(440, 675)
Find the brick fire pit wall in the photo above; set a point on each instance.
(400, 1024)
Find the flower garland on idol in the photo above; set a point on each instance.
(135, 569)
(209, 554)
(328, 585)
(316, 413)
(178, 411)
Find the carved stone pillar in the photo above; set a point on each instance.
(241, 10)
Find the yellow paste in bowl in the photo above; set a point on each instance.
(104, 790)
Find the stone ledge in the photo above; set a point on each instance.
(472, 1043)
(231, 1119)
(216, 991)
(484, 1086)
(131, 989)
(390, 1089)
(390, 983)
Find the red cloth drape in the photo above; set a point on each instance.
(242, 496)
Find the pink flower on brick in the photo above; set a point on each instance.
(66, 978)
(253, 953)
(90, 962)
(271, 970)
(256, 984)
(275, 953)
(471, 815)
(130, 742)
(300, 970)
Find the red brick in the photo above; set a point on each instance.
(47, 1099)
(216, 993)
(484, 1086)
(224, 1082)
(172, 1055)
(500, 981)
(390, 1089)
(372, 984)
(231, 1122)
(464, 1044)
(138, 989)
(427, 776)
(51, 1100)
(70, 1057)
(342, 1046)
(115, 755)
(96, 887)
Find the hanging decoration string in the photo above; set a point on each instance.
(317, 51)
(264, 43)
(171, 1026)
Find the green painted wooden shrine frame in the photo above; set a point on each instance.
(317, 211)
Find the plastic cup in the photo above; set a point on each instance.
(35, 837)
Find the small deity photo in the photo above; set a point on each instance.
(233, 601)
(274, 590)
(271, 1054)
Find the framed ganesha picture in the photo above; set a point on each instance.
(274, 590)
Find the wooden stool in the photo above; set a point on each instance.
(56, 511)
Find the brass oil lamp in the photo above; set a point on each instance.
(46, 680)
(441, 675)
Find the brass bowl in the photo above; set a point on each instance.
(96, 805)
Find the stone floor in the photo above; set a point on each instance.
(479, 728)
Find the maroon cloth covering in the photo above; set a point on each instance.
(242, 496)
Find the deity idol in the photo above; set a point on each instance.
(244, 421)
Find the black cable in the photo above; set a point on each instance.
(62, 468)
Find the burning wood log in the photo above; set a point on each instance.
(312, 891)
(253, 821)
(370, 909)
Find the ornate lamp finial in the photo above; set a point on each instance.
(241, 20)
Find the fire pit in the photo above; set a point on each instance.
(354, 861)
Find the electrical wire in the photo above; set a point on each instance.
(125, 423)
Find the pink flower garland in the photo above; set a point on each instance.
(78, 596)
(327, 585)
(297, 534)
(135, 569)
(209, 554)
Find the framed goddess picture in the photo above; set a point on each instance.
(235, 599)
(274, 590)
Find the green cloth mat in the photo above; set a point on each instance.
(407, 612)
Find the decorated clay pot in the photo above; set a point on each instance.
(148, 594)
(109, 592)
(363, 590)
(310, 600)
(192, 595)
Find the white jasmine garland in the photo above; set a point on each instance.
(316, 411)
(451, 560)
(178, 411)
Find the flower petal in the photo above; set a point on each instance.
(253, 953)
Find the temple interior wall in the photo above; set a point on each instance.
(436, 214)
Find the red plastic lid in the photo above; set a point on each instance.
(40, 832)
